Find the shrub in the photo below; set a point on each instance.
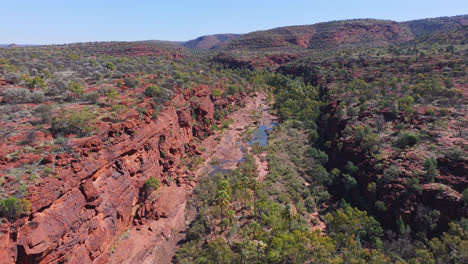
(390, 174)
(406, 104)
(152, 91)
(318, 155)
(110, 66)
(465, 196)
(75, 88)
(16, 95)
(37, 97)
(351, 168)
(152, 184)
(131, 82)
(36, 82)
(112, 94)
(430, 165)
(455, 154)
(216, 92)
(80, 123)
(232, 89)
(413, 185)
(43, 112)
(406, 139)
(380, 206)
(13, 207)
(320, 175)
(91, 97)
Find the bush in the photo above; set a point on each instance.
(37, 97)
(152, 184)
(465, 196)
(112, 94)
(36, 82)
(13, 207)
(16, 95)
(380, 206)
(216, 92)
(390, 174)
(80, 123)
(430, 165)
(152, 91)
(406, 139)
(131, 82)
(43, 112)
(75, 88)
(455, 154)
(318, 155)
(110, 66)
(92, 97)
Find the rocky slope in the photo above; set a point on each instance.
(78, 215)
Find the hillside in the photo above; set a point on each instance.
(432, 25)
(209, 41)
(344, 34)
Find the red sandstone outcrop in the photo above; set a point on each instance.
(78, 215)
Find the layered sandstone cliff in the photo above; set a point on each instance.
(78, 215)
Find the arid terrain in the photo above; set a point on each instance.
(337, 142)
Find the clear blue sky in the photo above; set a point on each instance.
(65, 21)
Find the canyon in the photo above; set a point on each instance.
(339, 141)
(80, 214)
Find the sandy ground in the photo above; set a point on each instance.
(157, 240)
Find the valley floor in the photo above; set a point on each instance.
(157, 240)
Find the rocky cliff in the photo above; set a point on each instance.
(78, 215)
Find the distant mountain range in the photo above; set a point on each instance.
(334, 34)
(13, 45)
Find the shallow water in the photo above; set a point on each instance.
(260, 134)
(218, 168)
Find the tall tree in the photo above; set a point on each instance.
(223, 195)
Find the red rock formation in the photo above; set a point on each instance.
(78, 215)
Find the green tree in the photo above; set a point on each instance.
(289, 213)
(349, 223)
(245, 184)
(36, 82)
(217, 252)
(406, 104)
(223, 196)
(254, 187)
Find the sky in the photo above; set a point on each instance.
(70, 21)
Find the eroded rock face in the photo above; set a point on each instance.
(7, 245)
(78, 215)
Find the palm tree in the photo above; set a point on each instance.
(254, 187)
(289, 213)
(223, 195)
(245, 182)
